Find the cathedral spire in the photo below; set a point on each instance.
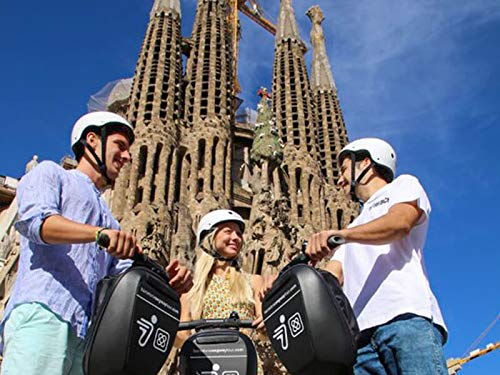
(146, 190)
(321, 71)
(287, 25)
(332, 134)
(166, 6)
(293, 108)
(209, 111)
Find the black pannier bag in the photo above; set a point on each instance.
(218, 351)
(134, 322)
(310, 322)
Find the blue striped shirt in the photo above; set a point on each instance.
(62, 277)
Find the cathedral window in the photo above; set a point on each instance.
(143, 156)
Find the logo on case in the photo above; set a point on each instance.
(162, 338)
(280, 334)
(146, 327)
(295, 324)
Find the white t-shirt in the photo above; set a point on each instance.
(384, 281)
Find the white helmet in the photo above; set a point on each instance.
(381, 153)
(99, 120)
(213, 218)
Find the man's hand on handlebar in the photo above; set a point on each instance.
(121, 245)
(317, 245)
(180, 277)
(124, 245)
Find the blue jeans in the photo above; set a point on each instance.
(407, 345)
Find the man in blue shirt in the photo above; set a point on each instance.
(61, 216)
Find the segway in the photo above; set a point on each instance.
(309, 321)
(134, 321)
(218, 348)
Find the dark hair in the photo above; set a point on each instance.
(358, 155)
(361, 155)
(78, 147)
(384, 172)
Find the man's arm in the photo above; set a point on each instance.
(394, 225)
(57, 229)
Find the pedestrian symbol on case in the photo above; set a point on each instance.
(146, 327)
(161, 340)
(281, 334)
(214, 371)
(295, 324)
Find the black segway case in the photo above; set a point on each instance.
(134, 323)
(217, 352)
(310, 323)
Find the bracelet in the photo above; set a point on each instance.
(98, 235)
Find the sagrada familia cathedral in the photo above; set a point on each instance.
(193, 154)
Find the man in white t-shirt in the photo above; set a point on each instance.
(382, 266)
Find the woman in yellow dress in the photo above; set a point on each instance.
(219, 285)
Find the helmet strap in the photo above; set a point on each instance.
(101, 165)
(355, 181)
(104, 141)
(217, 256)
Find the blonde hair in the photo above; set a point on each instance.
(239, 287)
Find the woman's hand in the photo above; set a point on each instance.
(258, 323)
(180, 277)
(267, 284)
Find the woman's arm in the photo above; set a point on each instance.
(257, 286)
(335, 268)
(182, 336)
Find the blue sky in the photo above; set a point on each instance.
(422, 74)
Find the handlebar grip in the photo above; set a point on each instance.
(246, 323)
(183, 326)
(103, 241)
(335, 241)
(303, 258)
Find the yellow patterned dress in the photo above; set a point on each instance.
(217, 302)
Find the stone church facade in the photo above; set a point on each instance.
(194, 155)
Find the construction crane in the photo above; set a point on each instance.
(455, 364)
(255, 13)
(253, 10)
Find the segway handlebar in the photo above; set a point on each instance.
(140, 258)
(231, 322)
(303, 258)
(335, 241)
(104, 240)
